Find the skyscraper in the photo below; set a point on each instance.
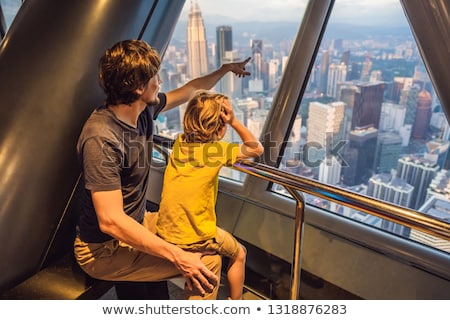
(437, 151)
(224, 39)
(392, 116)
(337, 73)
(359, 156)
(366, 68)
(367, 104)
(439, 187)
(330, 171)
(418, 172)
(229, 84)
(324, 64)
(391, 189)
(257, 58)
(411, 104)
(196, 41)
(388, 187)
(387, 152)
(423, 115)
(345, 59)
(325, 123)
(256, 82)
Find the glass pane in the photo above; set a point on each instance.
(212, 32)
(9, 9)
(370, 120)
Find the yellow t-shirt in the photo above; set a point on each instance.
(187, 208)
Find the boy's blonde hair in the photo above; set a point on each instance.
(202, 119)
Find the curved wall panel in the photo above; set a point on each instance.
(433, 41)
(48, 87)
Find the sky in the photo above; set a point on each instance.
(362, 12)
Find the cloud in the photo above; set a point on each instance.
(363, 12)
(252, 10)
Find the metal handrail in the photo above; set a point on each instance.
(373, 206)
(295, 184)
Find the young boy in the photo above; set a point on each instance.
(187, 214)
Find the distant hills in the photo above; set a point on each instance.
(278, 31)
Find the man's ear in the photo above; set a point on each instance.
(140, 91)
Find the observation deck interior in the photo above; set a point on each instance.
(48, 65)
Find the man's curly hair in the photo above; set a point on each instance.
(126, 67)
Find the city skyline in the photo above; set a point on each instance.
(372, 83)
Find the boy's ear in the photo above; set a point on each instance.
(223, 130)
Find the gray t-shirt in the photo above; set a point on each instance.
(114, 155)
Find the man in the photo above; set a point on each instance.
(116, 239)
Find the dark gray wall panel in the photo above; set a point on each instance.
(48, 87)
(430, 23)
(161, 25)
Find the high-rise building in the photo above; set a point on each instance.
(337, 73)
(230, 84)
(359, 156)
(196, 42)
(330, 170)
(164, 75)
(418, 172)
(440, 186)
(438, 122)
(247, 106)
(354, 72)
(387, 152)
(423, 115)
(346, 94)
(324, 64)
(366, 68)
(392, 116)
(256, 83)
(437, 151)
(390, 188)
(367, 104)
(256, 123)
(345, 58)
(257, 58)
(375, 76)
(395, 89)
(325, 123)
(411, 104)
(224, 37)
(274, 68)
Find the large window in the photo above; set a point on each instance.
(212, 32)
(9, 9)
(370, 120)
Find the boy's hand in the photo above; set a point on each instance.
(227, 112)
